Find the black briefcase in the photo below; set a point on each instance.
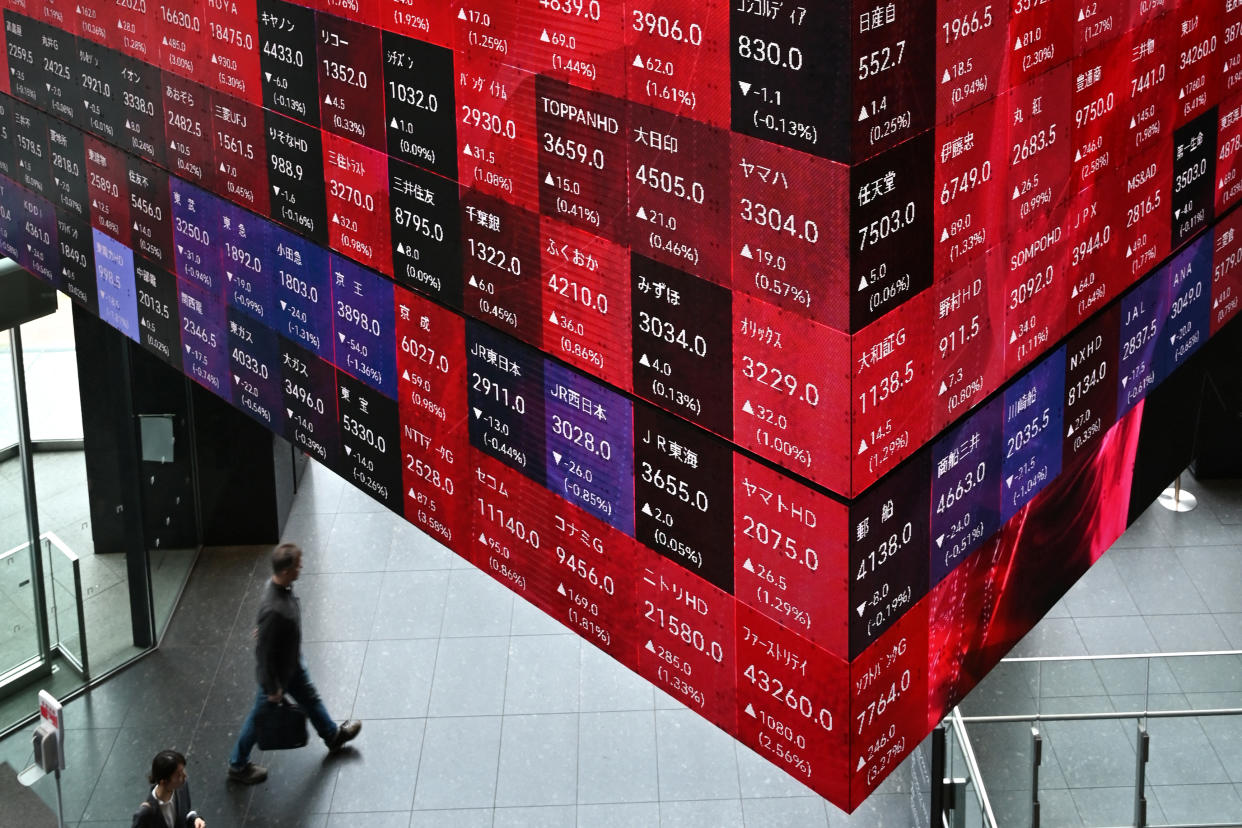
(281, 726)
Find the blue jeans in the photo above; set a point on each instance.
(302, 691)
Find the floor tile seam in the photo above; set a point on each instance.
(504, 694)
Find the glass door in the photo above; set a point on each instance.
(23, 631)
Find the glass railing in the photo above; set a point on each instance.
(1098, 741)
(66, 619)
(19, 630)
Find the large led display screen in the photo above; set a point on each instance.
(764, 347)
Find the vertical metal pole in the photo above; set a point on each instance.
(1140, 777)
(937, 777)
(1037, 758)
(28, 486)
(60, 805)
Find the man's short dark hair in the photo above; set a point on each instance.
(164, 765)
(284, 557)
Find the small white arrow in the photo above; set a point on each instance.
(1078, 155)
(229, 275)
(181, 250)
(461, 15)
(861, 608)
(276, 188)
(477, 413)
(483, 539)
(862, 114)
(544, 37)
(946, 78)
(650, 647)
(269, 75)
(1074, 292)
(862, 283)
(560, 588)
(1016, 194)
(348, 451)
(342, 336)
(336, 219)
(744, 86)
(284, 305)
(943, 388)
(556, 457)
(750, 711)
(944, 234)
(1132, 123)
(1182, 93)
(473, 283)
(1173, 339)
(547, 179)
(747, 407)
(1017, 44)
(940, 541)
(552, 318)
(748, 566)
(405, 375)
(327, 99)
(638, 61)
(1013, 337)
(1129, 251)
(1177, 213)
(642, 360)
(466, 152)
(746, 252)
(1008, 481)
(641, 214)
(393, 123)
(410, 493)
(1080, 18)
(187, 349)
(862, 763)
(1070, 431)
(1124, 380)
(646, 510)
(289, 411)
(862, 446)
(236, 379)
(401, 248)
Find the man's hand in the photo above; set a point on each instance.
(276, 697)
(198, 823)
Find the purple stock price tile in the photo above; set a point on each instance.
(204, 337)
(590, 450)
(195, 214)
(248, 261)
(965, 504)
(364, 342)
(302, 292)
(1190, 305)
(254, 357)
(114, 277)
(1032, 430)
(1144, 312)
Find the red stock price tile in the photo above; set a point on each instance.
(970, 186)
(1041, 36)
(237, 131)
(105, 174)
(1231, 53)
(1036, 294)
(788, 373)
(181, 34)
(187, 130)
(501, 265)
(1040, 150)
(1101, 90)
(586, 319)
(1195, 30)
(1097, 23)
(892, 377)
(496, 141)
(789, 553)
(510, 521)
(233, 46)
(486, 28)
(972, 60)
(679, 193)
(675, 56)
(596, 572)
(685, 630)
(888, 702)
(576, 41)
(1150, 102)
(969, 327)
(93, 21)
(582, 167)
(793, 704)
(356, 182)
(351, 77)
(431, 400)
(789, 239)
(1094, 262)
(1229, 153)
(1226, 270)
(1148, 211)
(430, 21)
(135, 26)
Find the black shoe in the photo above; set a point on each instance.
(347, 732)
(252, 774)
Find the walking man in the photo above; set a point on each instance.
(280, 670)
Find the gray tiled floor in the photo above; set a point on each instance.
(480, 711)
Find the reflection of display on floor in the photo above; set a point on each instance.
(64, 508)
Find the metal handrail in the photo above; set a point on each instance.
(83, 667)
(1120, 656)
(972, 767)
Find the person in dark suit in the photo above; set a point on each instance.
(168, 804)
(280, 670)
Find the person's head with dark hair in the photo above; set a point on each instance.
(286, 563)
(165, 769)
